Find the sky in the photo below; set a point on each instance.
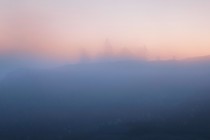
(65, 28)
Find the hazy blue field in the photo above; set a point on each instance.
(131, 100)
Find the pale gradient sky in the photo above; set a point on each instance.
(168, 28)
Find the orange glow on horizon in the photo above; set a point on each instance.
(138, 29)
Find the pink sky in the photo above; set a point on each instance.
(168, 28)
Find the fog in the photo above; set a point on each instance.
(117, 100)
